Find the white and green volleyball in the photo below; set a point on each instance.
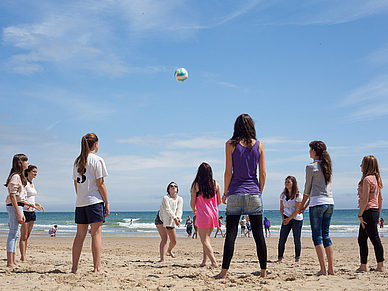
(181, 74)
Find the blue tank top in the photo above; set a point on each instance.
(244, 167)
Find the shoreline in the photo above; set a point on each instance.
(133, 265)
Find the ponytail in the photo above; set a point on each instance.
(87, 143)
(320, 149)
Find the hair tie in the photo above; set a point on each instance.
(323, 151)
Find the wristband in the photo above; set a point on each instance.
(360, 216)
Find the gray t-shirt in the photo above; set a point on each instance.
(315, 185)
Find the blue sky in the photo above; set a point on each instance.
(304, 70)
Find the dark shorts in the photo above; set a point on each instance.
(30, 216)
(90, 214)
(189, 229)
(158, 221)
(242, 227)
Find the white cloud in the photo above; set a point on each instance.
(369, 101)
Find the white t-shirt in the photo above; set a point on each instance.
(31, 193)
(290, 205)
(87, 191)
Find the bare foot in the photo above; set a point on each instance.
(263, 273)
(361, 270)
(73, 271)
(221, 275)
(171, 254)
(279, 260)
(382, 270)
(101, 272)
(160, 261)
(12, 266)
(203, 264)
(215, 265)
(296, 260)
(321, 273)
(331, 272)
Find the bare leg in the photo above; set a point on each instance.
(321, 258)
(172, 235)
(204, 234)
(82, 230)
(23, 241)
(163, 235)
(330, 260)
(96, 229)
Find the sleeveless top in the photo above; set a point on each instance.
(31, 193)
(244, 176)
(207, 211)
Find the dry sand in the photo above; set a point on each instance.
(133, 265)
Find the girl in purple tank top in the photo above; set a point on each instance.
(243, 189)
(205, 198)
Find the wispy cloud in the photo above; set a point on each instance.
(325, 12)
(176, 141)
(379, 57)
(369, 101)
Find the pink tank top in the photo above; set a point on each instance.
(207, 211)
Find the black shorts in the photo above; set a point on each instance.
(90, 214)
(30, 216)
(158, 221)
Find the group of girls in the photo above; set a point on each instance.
(21, 205)
(91, 206)
(243, 196)
(244, 154)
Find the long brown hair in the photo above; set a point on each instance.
(370, 166)
(87, 143)
(321, 151)
(244, 130)
(17, 168)
(294, 189)
(204, 180)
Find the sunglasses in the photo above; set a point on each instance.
(173, 186)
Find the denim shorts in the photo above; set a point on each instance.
(90, 214)
(158, 221)
(244, 204)
(30, 216)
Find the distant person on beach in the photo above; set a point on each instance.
(189, 226)
(219, 227)
(168, 217)
(381, 222)
(16, 183)
(267, 225)
(290, 200)
(195, 234)
(318, 194)
(29, 211)
(205, 198)
(243, 191)
(92, 204)
(243, 225)
(249, 228)
(53, 231)
(370, 203)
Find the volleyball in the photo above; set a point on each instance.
(181, 74)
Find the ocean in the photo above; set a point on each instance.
(344, 223)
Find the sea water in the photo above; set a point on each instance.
(344, 223)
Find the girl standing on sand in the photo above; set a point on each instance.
(16, 183)
(29, 211)
(168, 217)
(243, 190)
(290, 200)
(370, 203)
(92, 204)
(205, 198)
(318, 194)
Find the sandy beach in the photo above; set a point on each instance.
(133, 265)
